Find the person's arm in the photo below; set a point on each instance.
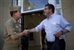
(65, 25)
(11, 32)
(32, 30)
(64, 31)
(36, 29)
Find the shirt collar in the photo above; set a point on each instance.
(50, 16)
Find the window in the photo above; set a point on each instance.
(36, 5)
(31, 5)
(14, 2)
(57, 1)
(59, 11)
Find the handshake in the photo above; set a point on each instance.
(25, 32)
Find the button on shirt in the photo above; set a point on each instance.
(53, 24)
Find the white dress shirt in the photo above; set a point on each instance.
(53, 24)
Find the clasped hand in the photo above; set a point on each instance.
(26, 32)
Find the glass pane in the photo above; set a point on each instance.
(34, 4)
(57, 1)
(14, 2)
(58, 11)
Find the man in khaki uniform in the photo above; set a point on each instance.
(12, 33)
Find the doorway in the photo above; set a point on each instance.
(29, 21)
